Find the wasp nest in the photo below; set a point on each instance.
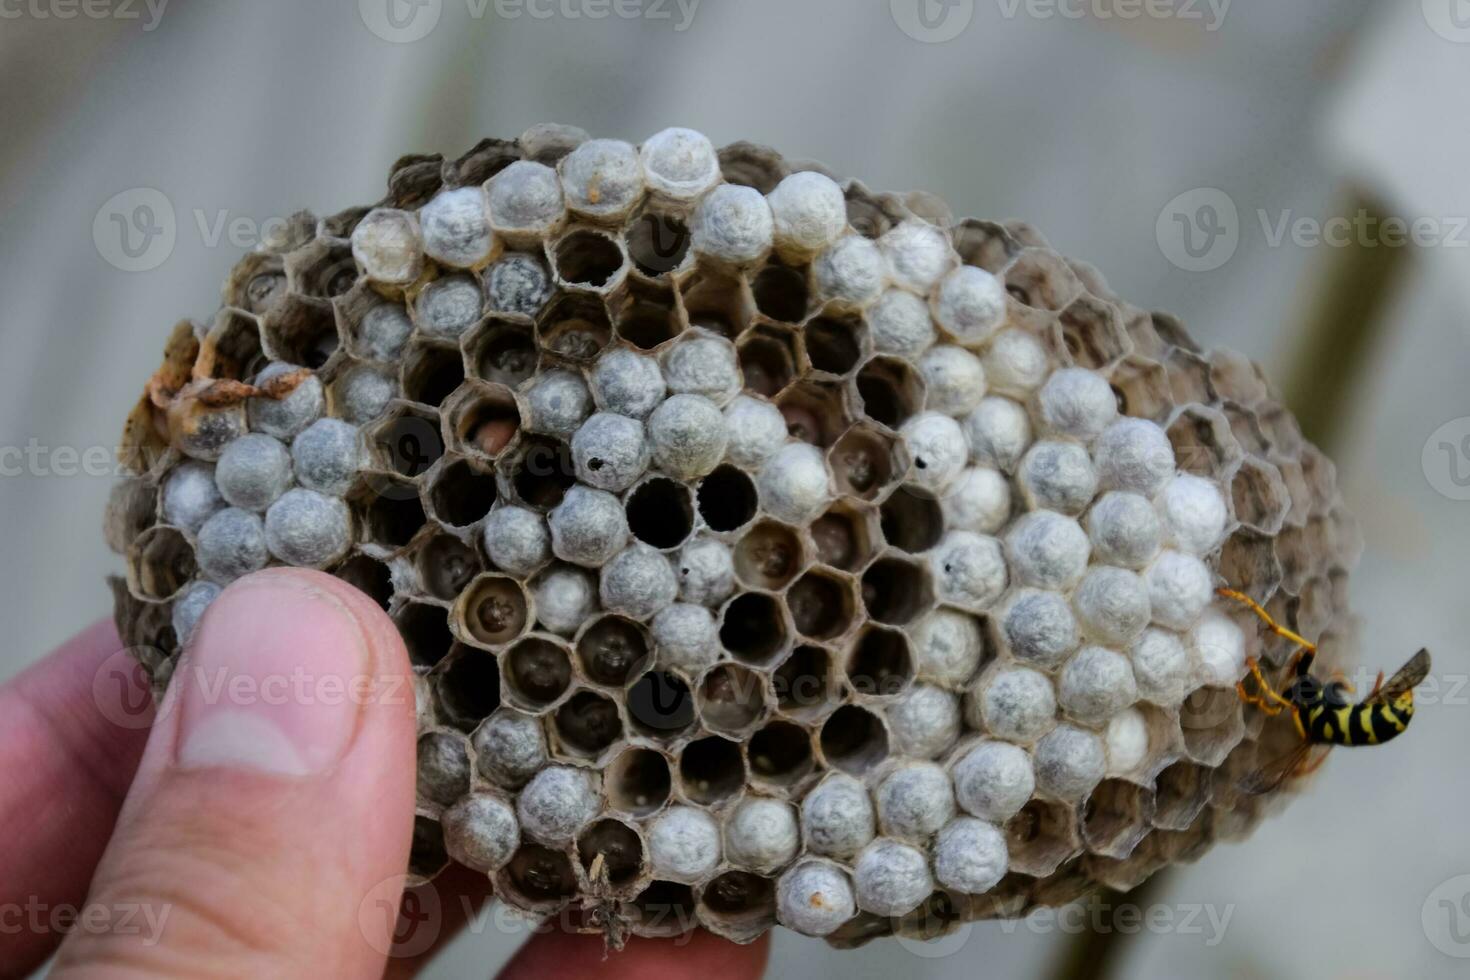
(769, 550)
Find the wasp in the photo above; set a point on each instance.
(1324, 712)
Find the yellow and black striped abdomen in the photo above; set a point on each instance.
(1357, 724)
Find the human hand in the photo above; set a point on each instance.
(242, 835)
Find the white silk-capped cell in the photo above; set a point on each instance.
(999, 432)
(979, 501)
(899, 323)
(810, 213)
(1126, 741)
(1161, 667)
(680, 163)
(1047, 550)
(852, 272)
(733, 224)
(1124, 529)
(1180, 587)
(954, 381)
(918, 254)
(1096, 684)
(937, 450)
(948, 645)
(1134, 455)
(1219, 644)
(970, 305)
(1078, 403)
(1194, 514)
(1016, 363)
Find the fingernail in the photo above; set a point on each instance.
(269, 680)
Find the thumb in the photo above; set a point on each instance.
(275, 795)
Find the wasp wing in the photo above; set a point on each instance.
(1406, 678)
(1277, 771)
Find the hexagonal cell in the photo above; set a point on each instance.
(780, 754)
(752, 165)
(781, 293)
(588, 258)
(1212, 724)
(911, 522)
(1040, 279)
(1093, 333)
(257, 283)
(647, 317)
(587, 724)
(1248, 562)
(740, 904)
(661, 705)
(482, 419)
(834, 344)
(503, 351)
(889, 391)
(1129, 873)
(1041, 837)
(880, 663)
(1189, 377)
(711, 770)
(537, 672)
(1247, 431)
(321, 269)
(753, 628)
(574, 327)
(769, 555)
(425, 631)
(896, 591)
(370, 577)
(619, 847)
(611, 649)
(392, 514)
(431, 373)
(1116, 817)
(1069, 883)
(1259, 496)
(767, 359)
(727, 499)
(658, 243)
(845, 537)
(663, 910)
(864, 462)
(1235, 378)
(1225, 782)
(540, 472)
(731, 698)
(984, 244)
(717, 303)
(427, 856)
(1203, 442)
(300, 331)
(407, 442)
(638, 781)
(160, 563)
(823, 605)
(537, 878)
(813, 413)
(461, 493)
(1181, 792)
(660, 512)
(806, 685)
(493, 610)
(1281, 429)
(1142, 386)
(467, 688)
(445, 566)
(232, 349)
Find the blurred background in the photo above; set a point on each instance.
(1187, 147)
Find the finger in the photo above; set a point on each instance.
(67, 767)
(275, 795)
(458, 898)
(697, 955)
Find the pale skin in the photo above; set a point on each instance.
(251, 862)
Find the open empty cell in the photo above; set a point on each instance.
(854, 740)
(588, 723)
(863, 462)
(661, 704)
(408, 442)
(612, 649)
(711, 769)
(813, 413)
(468, 687)
(462, 494)
(301, 331)
(394, 515)
(739, 897)
(540, 877)
(162, 562)
(896, 591)
(1041, 837)
(768, 556)
(495, 610)
(537, 672)
(369, 576)
(663, 910)
(844, 537)
(767, 360)
(638, 781)
(427, 855)
(660, 513)
(880, 662)
(822, 605)
(911, 522)
(425, 631)
(833, 344)
(716, 303)
(781, 293)
(614, 849)
(731, 698)
(1116, 817)
(658, 243)
(576, 328)
(431, 373)
(445, 566)
(648, 318)
(504, 353)
(587, 258)
(890, 391)
(753, 628)
(542, 472)
(806, 685)
(780, 754)
(727, 499)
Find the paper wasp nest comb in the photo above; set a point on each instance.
(769, 550)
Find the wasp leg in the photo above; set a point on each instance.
(1265, 617)
(1269, 702)
(1377, 685)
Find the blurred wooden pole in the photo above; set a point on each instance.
(1342, 324)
